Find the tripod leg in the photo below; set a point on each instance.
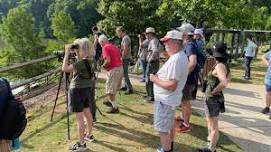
(67, 104)
(58, 88)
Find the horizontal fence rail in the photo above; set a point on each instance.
(19, 65)
(27, 81)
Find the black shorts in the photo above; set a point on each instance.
(188, 92)
(80, 98)
(212, 107)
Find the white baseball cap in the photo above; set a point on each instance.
(199, 31)
(187, 28)
(150, 30)
(173, 34)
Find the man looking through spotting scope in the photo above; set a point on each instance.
(81, 90)
(113, 65)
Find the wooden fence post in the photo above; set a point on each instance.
(237, 46)
(232, 46)
(258, 44)
(223, 36)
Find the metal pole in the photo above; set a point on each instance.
(57, 93)
(67, 104)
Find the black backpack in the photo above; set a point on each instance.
(13, 119)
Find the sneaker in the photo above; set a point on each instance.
(148, 99)
(89, 138)
(205, 150)
(266, 110)
(247, 78)
(123, 88)
(128, 92)
(159, 148)
(182, 129)
(107, 103)
(180, 119)
(113, 110)
(77, 147)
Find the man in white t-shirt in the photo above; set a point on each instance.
(168, 86)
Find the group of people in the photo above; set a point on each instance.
(173, 85)
(176, 81)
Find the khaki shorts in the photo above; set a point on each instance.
(113, 81)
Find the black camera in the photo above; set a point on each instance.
(60, 55)
(74, 46)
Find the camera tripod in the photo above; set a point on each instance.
(66, 79)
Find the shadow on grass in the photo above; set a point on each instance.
(37, 131)
(144, 138)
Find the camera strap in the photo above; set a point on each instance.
(90, 72)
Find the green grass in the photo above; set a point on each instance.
(129, 131)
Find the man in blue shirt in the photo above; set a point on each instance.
(190, 50)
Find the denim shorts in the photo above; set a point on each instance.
(268, 88)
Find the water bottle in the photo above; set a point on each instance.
(16, 144)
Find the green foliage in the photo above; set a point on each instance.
(135, 16)
(63, 26)
(82, 12)
(38, 8)
(23, 44)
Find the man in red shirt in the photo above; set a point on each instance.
(113, 64)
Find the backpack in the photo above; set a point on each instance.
(201, 57)
(13, 120)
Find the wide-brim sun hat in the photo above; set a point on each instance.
(149, 30)
(186, 28)
(173, 34)
(219, 50)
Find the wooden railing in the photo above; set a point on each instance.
(33, 79)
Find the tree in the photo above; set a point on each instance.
(63, 26)
(22, 42)
(135, 16)
(38, 8)
(82, 12)
(213, 13)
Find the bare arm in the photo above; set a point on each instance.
(107, 61)
(223, 80)
(265, 61)
(125, 49)
(166, 84)
(65, 66)
(192, 63)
